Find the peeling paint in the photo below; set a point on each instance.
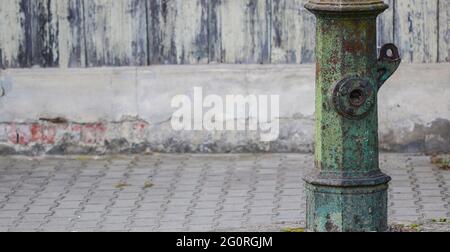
(79, 33)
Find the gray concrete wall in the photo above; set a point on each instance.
(112, 110)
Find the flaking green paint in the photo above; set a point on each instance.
(347, 191)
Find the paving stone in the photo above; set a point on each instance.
(64, 213)
(13, 206)
(404, 218)
(146, 214)
(115, 219)
(144, 222)
(208, 204)
(433, 200)
(232, 215)
(203, 212)
(171, 225)
(91, 208)
(201, 220)
(395, 197)
(120, 211)
(289, 215)
(173, 217)
(262, 203)
(236, 201)
(230, 224)
(54, 229)
(39, 209)
(55, 221)
(113, 227)
(29, 217)
(68, 204)
(429, 193)
(89, 216)
(436, 214)
(433, 207)
(180, 201)
(260, 219)
(208, 197)
(7, 221)
(152, 206)
(262, 211)
(9, 213)
(282, 205)
(200, 228)
(233, 207)
(76, 197)
(405, 211)
(404, 204)
(143, 229)
(125, 203)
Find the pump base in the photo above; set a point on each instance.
(347, 209)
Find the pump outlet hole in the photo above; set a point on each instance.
(357, 97)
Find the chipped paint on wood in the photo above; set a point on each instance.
(444, 31)
(244, 31)
(293, 32)
(78, 33)
(71, 33)
(416, 30)
(44, 32)
(385, 23)
(12, 36)
(214, 36)
(116, 32)
(29, 33)
(178, 31)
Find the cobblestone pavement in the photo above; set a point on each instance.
(191, 192)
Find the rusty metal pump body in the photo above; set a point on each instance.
(347, 191)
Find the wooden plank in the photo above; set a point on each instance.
(444, 31)
(416, 30)
(15, 43)
(116, 32)
(178, 31)
(44, 32)
(214, 35)
(71, 33)
(386, 25)
(244, 28)
(293, 32)
(29, 33)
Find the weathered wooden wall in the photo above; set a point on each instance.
(86, 33)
